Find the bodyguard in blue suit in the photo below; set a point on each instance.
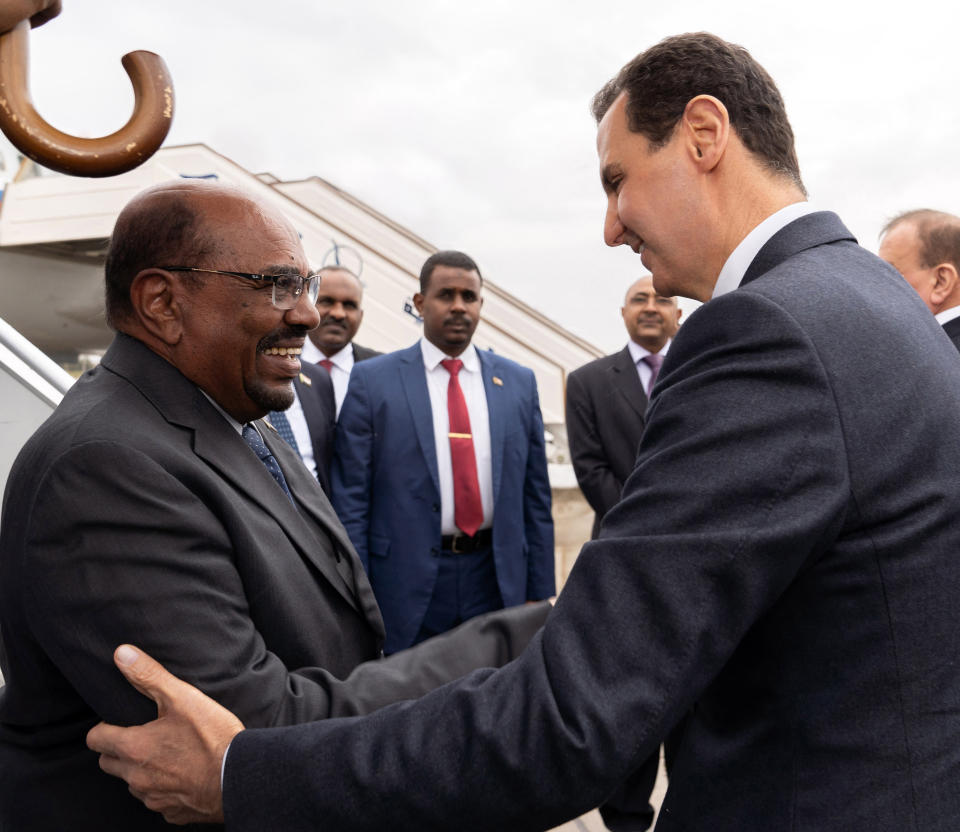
(396, 477)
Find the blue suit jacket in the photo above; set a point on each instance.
(387, 490)
(784, 562)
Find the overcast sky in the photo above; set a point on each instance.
(470, 124)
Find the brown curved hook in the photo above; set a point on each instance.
(119, 152)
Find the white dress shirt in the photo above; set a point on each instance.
(638, 353)
(947, 315)
(339, 372)
(471, 382)
(301, 432)
(742, 256)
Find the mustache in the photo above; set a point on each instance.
(278, 336)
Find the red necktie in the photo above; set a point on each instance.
(467, 506)
(326, 363)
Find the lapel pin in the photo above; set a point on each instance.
(270, 425)
(497, 381)
(305, 380)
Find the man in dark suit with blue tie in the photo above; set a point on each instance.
(782, 565)
(924, 246)
(440, 473)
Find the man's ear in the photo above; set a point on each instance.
(155, 298)
(945, 282)
(706, 129)
(418, 303)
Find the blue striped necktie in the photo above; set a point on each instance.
(252, 437)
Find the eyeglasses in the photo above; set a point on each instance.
(287, 288)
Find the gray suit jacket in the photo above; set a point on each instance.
(784, 561)
(137, 513)
(605, 409)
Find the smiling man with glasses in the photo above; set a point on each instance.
(157, 506)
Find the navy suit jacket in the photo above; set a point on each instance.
(784, 561)
(605, 409)
(387, 490)
(320, 410)
(952, 328)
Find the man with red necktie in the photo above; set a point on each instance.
(440, 472)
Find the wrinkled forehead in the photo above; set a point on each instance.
(257, 231)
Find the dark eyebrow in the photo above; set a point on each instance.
(608, 173)
(285, 268)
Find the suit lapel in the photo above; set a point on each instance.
(626, 381)
(952, 328)
(246, 473)
(808, 231)
(308, 401)
(313, 502)
(495, 414)
(413, 378)
(220, 446)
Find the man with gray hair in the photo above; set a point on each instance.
(924, 246)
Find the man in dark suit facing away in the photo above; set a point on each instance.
(782, 564)
(924, 246)
(607, 398)
(156, 504)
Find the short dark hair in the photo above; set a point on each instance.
(660, 82)
(939, 234)
(452, 259)
(156, 233)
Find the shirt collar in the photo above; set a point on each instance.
(343, 358)
(311, 352)
(433, 355)
(637, 352)
(947, 315)
(742, 256)
(233, 422)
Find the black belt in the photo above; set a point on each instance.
(462, 543)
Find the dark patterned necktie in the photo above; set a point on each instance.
(252, 437)
(279, 420)
(467, 505)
